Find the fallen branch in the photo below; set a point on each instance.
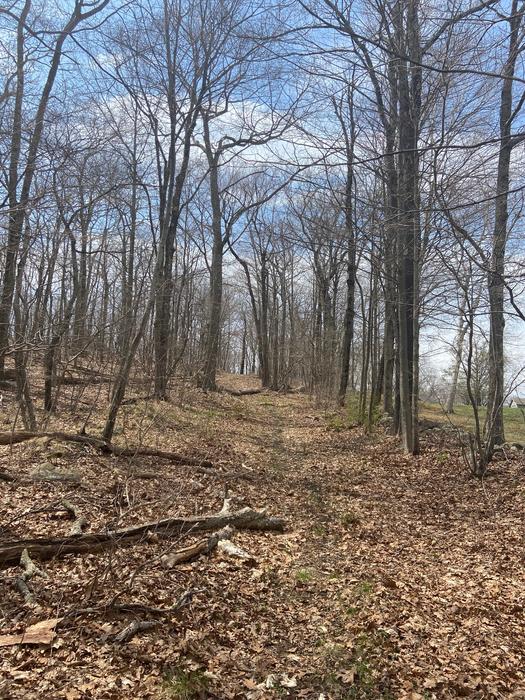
(184, 600)
(205, 546)
(30, 570)
(80, 522)
(137, 399)
(13, 438)
(131, 630)
(186, 554)
(232, 550)
(46, 548)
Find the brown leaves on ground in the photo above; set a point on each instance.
(398, 577)
(40, 633)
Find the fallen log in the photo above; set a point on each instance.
(46, 548)
(13, 438)
(242, 392)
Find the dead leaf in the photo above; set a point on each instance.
(288, 681)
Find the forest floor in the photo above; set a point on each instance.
(396, 577)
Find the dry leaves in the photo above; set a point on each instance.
(399, 578)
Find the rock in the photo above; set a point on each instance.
(387, 423)
(48, 472)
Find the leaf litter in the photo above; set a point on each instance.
(396, 577)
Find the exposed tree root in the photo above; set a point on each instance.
(80, 522)
(46, 548)
(30, 570)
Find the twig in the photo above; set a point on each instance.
(131, 630)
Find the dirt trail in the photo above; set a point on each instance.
(396, 578)
(407, 575)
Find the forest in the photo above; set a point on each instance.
(262, 349)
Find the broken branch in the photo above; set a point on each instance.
(45, 548)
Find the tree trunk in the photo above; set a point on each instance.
(209, 371)
(494, 428)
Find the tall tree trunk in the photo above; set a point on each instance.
(348, 332)
(494, 428)
(209, 371)
(458, 354)
(409, 106)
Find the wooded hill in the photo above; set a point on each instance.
(226, 225)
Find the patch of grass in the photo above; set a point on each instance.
(463, 417)
(357, 674)
(239, 411)
(335, 655)
(186, 685)
(352, 407)
(366, 659)
(363, 589)
(350, 518)
(319, 530)
(208, 413)
(375, 417)
(335, 422)
(304, 575)
(351, 611)
(356, 415)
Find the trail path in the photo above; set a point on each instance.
(404, 577)
(396, 578)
